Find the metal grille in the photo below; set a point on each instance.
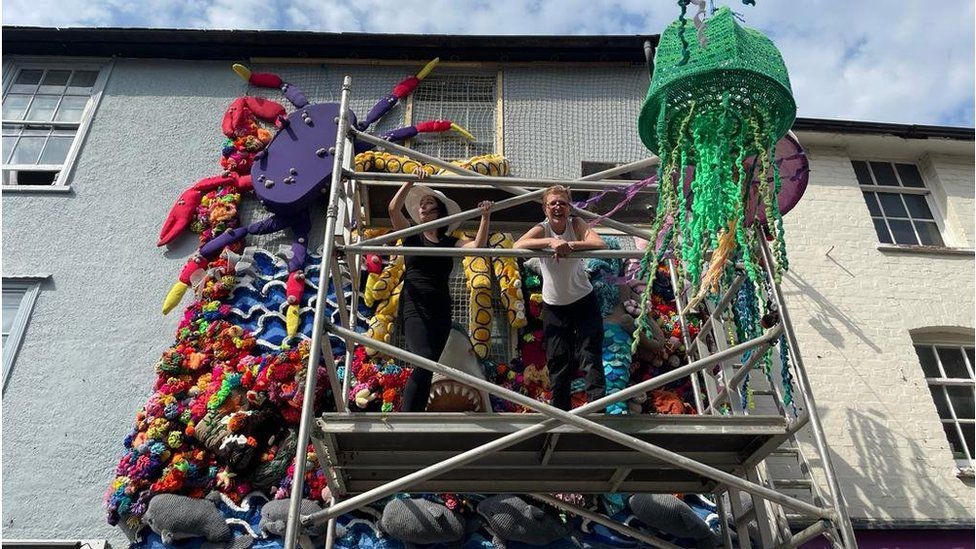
(464, 97)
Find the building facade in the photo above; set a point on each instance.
(104, 128)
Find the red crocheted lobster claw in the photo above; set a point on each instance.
(182, 212)
(243, 107)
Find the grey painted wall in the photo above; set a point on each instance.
(85, 365)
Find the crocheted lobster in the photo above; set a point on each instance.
(288, 176)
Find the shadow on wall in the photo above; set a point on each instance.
(881, 476)
(826, 318)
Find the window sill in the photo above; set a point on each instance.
(36, 189)
(925, 250)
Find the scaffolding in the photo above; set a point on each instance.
(723, 451)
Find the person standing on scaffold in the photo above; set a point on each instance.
(571, 319)
(425, 299)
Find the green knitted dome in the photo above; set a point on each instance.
(739, 68)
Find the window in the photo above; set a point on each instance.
(19, 296)
(899, 203)
(641, 207)
(46, 110)
(949, 373)
(466, 98)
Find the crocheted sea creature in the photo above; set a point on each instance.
(421, 521)
(176, 517)
(719, 104)
(511, 518)
(274, 517)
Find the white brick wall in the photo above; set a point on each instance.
(853, 307)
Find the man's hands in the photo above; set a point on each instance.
(485, 207)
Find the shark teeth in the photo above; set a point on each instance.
(451, 396)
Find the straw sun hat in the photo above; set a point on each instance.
(417, 192)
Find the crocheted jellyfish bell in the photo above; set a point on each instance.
(718, 97)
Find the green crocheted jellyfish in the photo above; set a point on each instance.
(719, 101)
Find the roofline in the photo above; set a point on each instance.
(197, 44)
(243, 44)
(905, 131)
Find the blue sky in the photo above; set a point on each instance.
(908, 61)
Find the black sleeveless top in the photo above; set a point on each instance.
(426, 293)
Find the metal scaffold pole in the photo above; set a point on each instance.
(318, 325)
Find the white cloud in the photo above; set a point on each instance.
(910, 61)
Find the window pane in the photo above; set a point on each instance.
(84, 79)
(967, 431)
(892, 205)
(909, 175)
(883, 235)
(884, 174)
(928, 232)
(902, 232)
(926, 357)
(954, 443)
(28, 150)
(71, 109)
(43, 107)
(972, 359)
(872, 202)
(56, 150)
(962, 401)
(862, 173)
(29, 77)
(941, 402)
(14, 106)
(918, 207)
(11, 302)
(56, 78)
(952, 362)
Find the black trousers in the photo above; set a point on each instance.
(427, 338)
(574, 340)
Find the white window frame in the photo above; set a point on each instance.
(931, 343)
(30, 288)
(923, 191)
(460, 73)
(65, 170)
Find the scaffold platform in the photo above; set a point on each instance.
(367, 450)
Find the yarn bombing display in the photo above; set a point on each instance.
(219, 433)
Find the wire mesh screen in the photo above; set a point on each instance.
(557, 117)
(464, 97)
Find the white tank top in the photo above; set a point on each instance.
(565, 281)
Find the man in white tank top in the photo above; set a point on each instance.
(572, 324)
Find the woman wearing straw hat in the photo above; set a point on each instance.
(425, 299)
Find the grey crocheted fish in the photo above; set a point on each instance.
(421, 521)
(669, 514)
(511, 518)
(274, 517)
(176, 517)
